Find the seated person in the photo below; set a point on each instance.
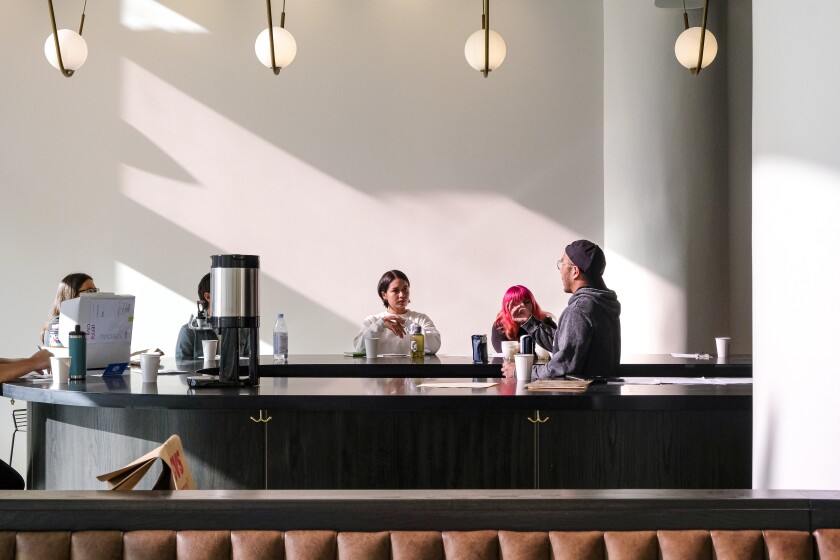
(520, 308)
(189, 346)
(587, 342)
(69, 288)
(391, 326)
(12, 368)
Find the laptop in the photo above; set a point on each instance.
(107, 319)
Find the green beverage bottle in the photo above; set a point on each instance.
(418, 342)
(78, 354)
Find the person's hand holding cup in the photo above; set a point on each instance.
(524, 363)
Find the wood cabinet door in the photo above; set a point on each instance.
(400, 449)
(646, 449)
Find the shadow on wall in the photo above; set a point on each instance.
(325, 241)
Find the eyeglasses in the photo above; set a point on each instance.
(89, 291)
(561, 264)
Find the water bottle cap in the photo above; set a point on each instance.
(279, 315)
(416, 329)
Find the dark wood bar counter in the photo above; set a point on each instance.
(375, 432)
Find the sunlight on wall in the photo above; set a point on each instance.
(790, 262)
(158, 311)
(326, 240)
(148, 15)
(653, 310)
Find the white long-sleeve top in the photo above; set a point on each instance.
(389, 343)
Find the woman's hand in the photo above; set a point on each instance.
(394, 324)
(508, 368)
(518, 311)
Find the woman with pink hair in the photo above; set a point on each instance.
(521, 314)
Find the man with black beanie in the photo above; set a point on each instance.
(587, 342)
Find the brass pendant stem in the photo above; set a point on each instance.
(486, 21)
(271, 37)
(66, 73)
(702, 37)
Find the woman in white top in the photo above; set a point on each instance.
(392, 326)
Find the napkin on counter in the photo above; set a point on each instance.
(134, 359)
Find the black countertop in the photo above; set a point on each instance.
(365, 392)
(333, 365)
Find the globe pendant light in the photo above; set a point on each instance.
(485, 49)
(275, 47)
(696, 47)
(65, 49)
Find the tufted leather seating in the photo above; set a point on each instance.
(822, 544)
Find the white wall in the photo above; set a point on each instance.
(377, 148)
(666, 182)
(796, 233)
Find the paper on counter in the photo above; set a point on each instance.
(458, 384)
(692, 356)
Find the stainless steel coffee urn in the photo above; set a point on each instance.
(234, 297)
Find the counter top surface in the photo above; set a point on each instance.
(361, 392)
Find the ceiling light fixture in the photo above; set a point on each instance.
(275, 47)
(65, 49)
(696, 47)
(485, 49)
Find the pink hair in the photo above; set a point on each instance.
(504, 322)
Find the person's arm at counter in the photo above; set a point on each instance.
(13, 368)
(430, 333)
(372, 326)
(541, 331)
(571, 347)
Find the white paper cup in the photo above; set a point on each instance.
(209, 349)
(371, 347)
(60, 369)
(510, 348)
(524, 362)
(722, 343)
(149, 364)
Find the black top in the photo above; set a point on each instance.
(544, 335)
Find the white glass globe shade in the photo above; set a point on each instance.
(74, 50)
(285, 47)
(687, 47)
(474, 50)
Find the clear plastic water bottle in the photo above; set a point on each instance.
(281, 339)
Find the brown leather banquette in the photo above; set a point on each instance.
(422, 525)
(420, 545)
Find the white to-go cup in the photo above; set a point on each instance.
(209, 349)
(60, 368)
(510, 348)
(149, 364)
(372, 347)
(722, 343)
(524, 362)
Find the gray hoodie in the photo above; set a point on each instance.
(587, 342)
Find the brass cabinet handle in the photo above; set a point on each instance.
(538, 420)
(264, 419)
